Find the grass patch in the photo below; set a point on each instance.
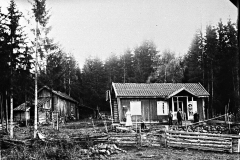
(44, 150)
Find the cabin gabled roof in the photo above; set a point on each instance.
(23, 107)
(155, 90)
(58, 93)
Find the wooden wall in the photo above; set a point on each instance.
(64, 107)
(61, 105)
(115, 110)
(148, 109)
(20, 116)
(200, 108)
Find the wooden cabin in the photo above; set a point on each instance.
(22, 112)
(65, 105)
(151, 102)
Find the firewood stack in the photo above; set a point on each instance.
(215, 129)
(102, 150)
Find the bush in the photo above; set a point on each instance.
(40, 150)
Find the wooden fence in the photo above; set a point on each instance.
(125, 139)
(203, 141)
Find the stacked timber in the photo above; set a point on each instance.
(124, 139)
(215, 129)
(201, 141)
(102, 151)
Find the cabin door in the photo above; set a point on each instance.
(177, 105)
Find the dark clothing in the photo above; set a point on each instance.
(196, 117)
(143, 126)
(179, 118)
(170, 118)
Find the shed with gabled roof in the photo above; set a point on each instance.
(50, 100)
(152, 102)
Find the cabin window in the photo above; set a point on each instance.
(135, 108)
(162, 108)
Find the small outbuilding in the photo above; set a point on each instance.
(151, 102)
(22, 112)
(50, 100)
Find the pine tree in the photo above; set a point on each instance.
(113, 69)
(143, 60)
(15, 55)
(94, 80)
(126, 65)
(193, 60)
(211, 67)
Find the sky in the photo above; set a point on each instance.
(100, 28)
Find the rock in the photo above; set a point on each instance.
(102, 156)
(204, 131)
(108, 153)
(102, 151)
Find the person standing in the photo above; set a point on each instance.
(128, 116)
(196, 117)
(179, 117)
(170, 118)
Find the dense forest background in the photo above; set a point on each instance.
(212, 60)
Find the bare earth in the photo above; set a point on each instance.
(173, 154)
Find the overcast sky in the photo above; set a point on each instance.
(101, 27)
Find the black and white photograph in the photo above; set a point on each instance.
(119, 80)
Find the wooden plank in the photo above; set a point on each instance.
(200, 141)
(123, 135)
(202, 137)
(199, 144)
(204, 134)
(145, 109)
(153, 109)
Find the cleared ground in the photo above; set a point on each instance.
(67, 149)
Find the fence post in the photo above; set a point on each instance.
(140, 136)
(165, 137)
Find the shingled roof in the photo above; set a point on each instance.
(154, 90)
(23, 107)
(63, 95)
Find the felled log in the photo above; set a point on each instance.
(204, 134)
(123, 135)
(199, 144)
(199, 141)
(202, 137)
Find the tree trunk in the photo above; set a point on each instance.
(1, 104)
(36, 96)
(212, 84)
(25, 107)
(11, 113)
(6, 111)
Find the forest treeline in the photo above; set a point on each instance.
(212, 60)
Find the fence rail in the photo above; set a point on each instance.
(203, 141)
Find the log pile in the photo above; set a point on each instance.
(124, 139)
(214, 129)
(102, 151)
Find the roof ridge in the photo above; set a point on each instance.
(157, 89)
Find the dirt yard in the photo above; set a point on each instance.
(66, 148)
(173, 154)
